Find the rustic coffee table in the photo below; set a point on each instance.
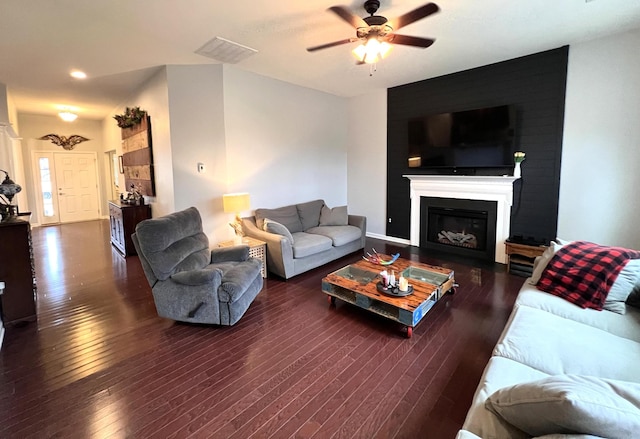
(357, 284)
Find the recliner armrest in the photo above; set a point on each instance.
(236, 280)
(208, 275)
(230, 254)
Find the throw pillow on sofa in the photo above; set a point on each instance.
(277, 228)
(287, 216)
(337, 216)
(570, 404)
(541, 262)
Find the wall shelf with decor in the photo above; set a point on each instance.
(137, 156)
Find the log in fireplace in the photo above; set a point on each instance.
(458, 226)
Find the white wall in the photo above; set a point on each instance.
(153, 97)
(367, 160)
(285, 143)
(33, 126)
(599, 183)
(280, 142)
(197, 136)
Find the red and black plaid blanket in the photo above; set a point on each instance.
(583, 272)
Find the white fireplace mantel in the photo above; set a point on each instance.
(487, 188)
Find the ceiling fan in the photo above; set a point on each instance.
(377, 33)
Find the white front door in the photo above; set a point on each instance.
(77, 183)
(67, 186)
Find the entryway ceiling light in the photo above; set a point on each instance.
(67, 116)
(78, 74)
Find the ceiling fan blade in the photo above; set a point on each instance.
(327, 45)
(408, 40)
(415, 15)
(348, 16)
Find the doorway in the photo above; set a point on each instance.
(67, 186)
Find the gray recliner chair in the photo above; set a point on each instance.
(190, 282)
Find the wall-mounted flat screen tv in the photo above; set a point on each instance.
(480, 138)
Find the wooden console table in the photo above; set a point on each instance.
(123, 219)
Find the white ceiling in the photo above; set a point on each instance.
(120, 43)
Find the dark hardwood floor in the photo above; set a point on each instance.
(100, 363)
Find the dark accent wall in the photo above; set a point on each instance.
(535, 85)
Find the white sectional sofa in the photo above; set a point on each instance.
(561, 371)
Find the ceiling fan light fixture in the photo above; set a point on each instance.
(372, 52)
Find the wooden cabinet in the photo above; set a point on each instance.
(123, 219)
(17, 271)
(520, 257)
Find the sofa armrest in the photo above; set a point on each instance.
(230, 254)
(360, 222)
(279, 249)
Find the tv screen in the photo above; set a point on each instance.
(477, 138)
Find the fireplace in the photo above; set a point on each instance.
(458, 226)
(495, 189)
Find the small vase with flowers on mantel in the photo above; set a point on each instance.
(518, 157)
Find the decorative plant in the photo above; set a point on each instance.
(518, 156)
(131, 117)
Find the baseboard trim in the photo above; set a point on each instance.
(389, 238)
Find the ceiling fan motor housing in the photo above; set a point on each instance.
(371, 6)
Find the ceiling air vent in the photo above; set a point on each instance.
(225, 51)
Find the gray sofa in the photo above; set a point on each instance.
(559, 370)
(303, 236)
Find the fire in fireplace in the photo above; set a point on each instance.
(464, 227)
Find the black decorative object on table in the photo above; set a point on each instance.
(8, 189)
(393, 291)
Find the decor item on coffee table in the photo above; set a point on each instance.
(190, 282)
(358, 284)
(303, 236)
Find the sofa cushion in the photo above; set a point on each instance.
(571, 404)
(306, 244)
(287, 216)
(627, 325)
(339, 235)
(583, 272)
(555, 345)
(337, 216)
(309, 213)
(277, 228)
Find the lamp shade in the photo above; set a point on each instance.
(234, 203)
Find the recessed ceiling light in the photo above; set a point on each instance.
(78, 74)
